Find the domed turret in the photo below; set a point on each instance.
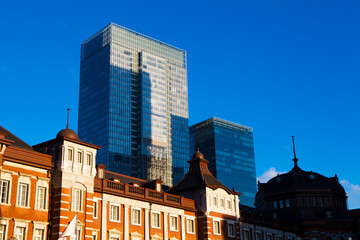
(67, 132)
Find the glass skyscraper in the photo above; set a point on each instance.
(134, 103)
(229, 148)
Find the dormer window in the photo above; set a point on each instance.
(79, 157)
(70, 154)
(158, 187)
(101, 173)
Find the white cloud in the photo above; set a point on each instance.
(353, 193)
(268, 174)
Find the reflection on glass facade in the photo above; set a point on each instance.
(230, 149)
(134, 103)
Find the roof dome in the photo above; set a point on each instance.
(67, 133)
(198, 155)
(299, 180)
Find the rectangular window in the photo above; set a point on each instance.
(41, 198)
(76, 200)
(22, 197)
(229, 205)
(281, 204)
(70, 154)
(287, 203)
(275, 204)
(231, 229)
(79, 157)
(88, 159)
(95, 210)
(216, 227)
(190, 225)
(222, 202)
(20, 233)
(135, 216)
(39, 234)
(173, 223)
(246, 235)
(2, 231)
(77, 236)
(114, 213)
(214, 201)
(4, 191)
(258, 236)
(155, 220)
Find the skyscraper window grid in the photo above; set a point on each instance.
(230, 149)
(133, 89)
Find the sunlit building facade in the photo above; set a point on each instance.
(230, 149)
(134, 102)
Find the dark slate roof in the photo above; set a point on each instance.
(17, 141)
(298, 179)
(198, 177)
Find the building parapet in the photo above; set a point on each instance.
(131, 191)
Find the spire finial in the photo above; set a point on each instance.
(295, 159)
(67, 123)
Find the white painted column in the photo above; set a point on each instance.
(103, 219)
(166, 225)
(182, 227)
(147, 225)
(126, 222)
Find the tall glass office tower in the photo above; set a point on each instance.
(230, 149)
(134, 103)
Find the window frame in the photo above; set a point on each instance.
(88, 159)
(111, 219)
(172, 228)
(20, 226)
(152, 222)
(3, 232)
(70, 154)
(37, 201)
(229, 204)
(19, 198)
(134, 209)
(80, 157)
(42, 237)
(257, 233)
(73, 199)
(192, 219)
(214, 200)
(95, 209)
(228, 227)
(8, 189)
(222, 202)
(214, 228)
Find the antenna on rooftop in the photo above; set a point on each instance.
(67, 123)
(295, 159)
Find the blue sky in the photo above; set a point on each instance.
(282, 67)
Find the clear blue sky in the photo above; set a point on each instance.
(282, 67)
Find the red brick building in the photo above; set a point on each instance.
(24, 189)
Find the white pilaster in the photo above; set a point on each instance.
(126, 222)
(166, 225)
(147, 225)
(182, 227)
(103, 219)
